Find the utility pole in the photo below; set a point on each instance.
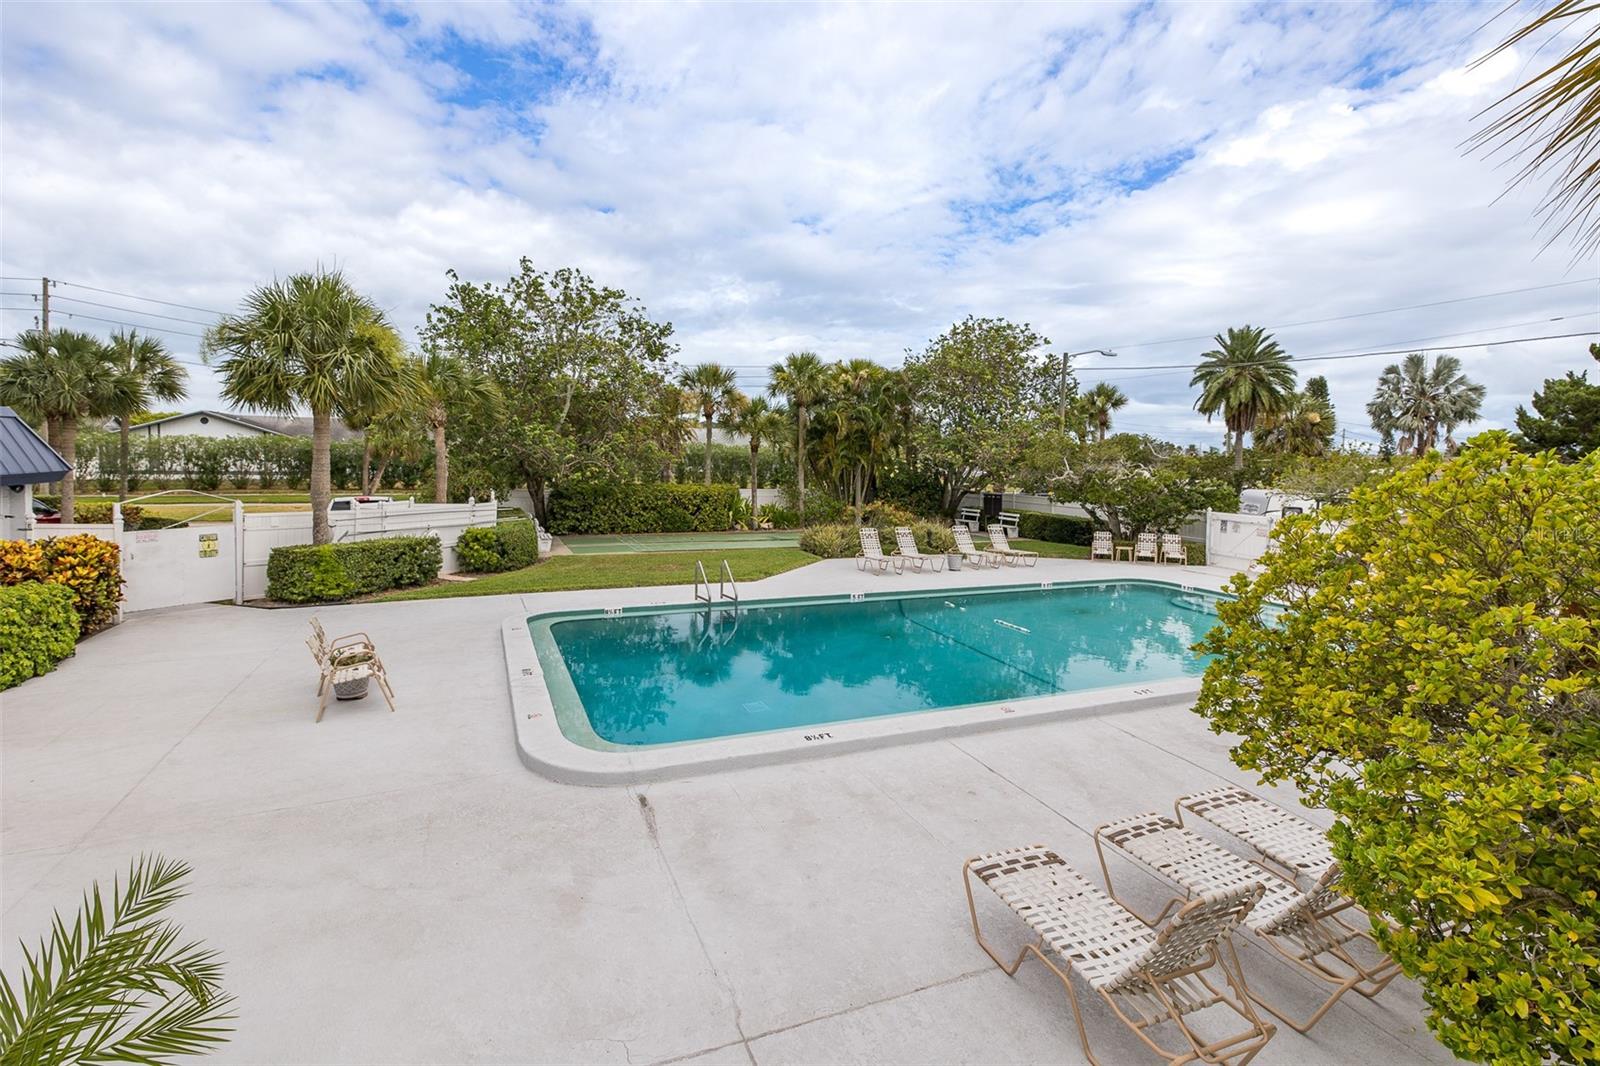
(1066, 362)
(44, 307)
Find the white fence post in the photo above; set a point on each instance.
(1208, 536)
(238, 551)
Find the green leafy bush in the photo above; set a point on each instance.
(615, 507)
(491, 549)
(319, 573)
(1056, 528)
(933, 537)
(886, 515)
(89, 566)
(831, 542)
(38, 628)
(780, 517)
(1434, 680)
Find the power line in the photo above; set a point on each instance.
(1369, 314)
(1358, 355)
(113, 322)
(132, 310)
(145, 299)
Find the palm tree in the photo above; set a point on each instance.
(1244, 377)
(310, 340)
(160, 376)
(710, 389)
(801, 378)
(1416, 401)
(1099, 402)
(762, 423)
(62, 378)
(1303, 426)
(446, 384)
(863, 428)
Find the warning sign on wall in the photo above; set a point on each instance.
(208, 545)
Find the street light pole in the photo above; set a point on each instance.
(1066, 363)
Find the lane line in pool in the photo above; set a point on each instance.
(1050, 686)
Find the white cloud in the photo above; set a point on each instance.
(846, 178)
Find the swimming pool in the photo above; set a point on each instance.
(640, 678)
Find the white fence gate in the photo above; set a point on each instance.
(170, 567)
(1235, 541)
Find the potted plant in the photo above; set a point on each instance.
(356, 687)
(953, 558)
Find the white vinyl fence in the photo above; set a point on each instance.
(1235, 541)
(212, 561)
(1193, 529)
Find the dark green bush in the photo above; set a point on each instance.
(934, 537)
(1061, 529)
(38, 628)
(490, 549)
(306, 573)
(611, 507)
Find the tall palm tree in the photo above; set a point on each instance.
(61, 379)
(1099, 402)
(1416, 401)
(312, 340)
(861, 414)
(1244, 377)
(1303, 426)
(710, 388)
(444, 385)
(160, 376)
(762, 423)
(802, 379)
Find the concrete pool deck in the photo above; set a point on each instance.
(399, 888)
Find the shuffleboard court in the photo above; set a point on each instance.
(629, 543)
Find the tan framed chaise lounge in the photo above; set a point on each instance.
(1148, 977)
(1297, 850)
(1145, 546)
(1000, 544)
(906, 547)
(1303, 927)
(1172, 550)
(969, 551)
(347, 658)
(871, 556)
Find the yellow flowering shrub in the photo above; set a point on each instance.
(89, 566)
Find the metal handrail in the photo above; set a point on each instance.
(724, 583)
(701, 579)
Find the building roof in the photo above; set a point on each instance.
(25, 459)
(282, 425)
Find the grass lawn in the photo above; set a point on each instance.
(1049, 549)
(562, 573)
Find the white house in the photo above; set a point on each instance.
(230, 424)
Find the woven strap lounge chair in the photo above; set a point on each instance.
(1101, 547)
(344, 659)
(969, 551)
(1172, 550)
(906, 547)
(348, 646)
(1297, 848)
(1302, 927)
(1148, 977)
(871, 556)
(1145, 547)
(1000, 544)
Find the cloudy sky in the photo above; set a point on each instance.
(850, 179)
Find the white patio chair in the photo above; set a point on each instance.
(906, 547)
(1101, 547)
(1148, 977)
(345, 659)
(1000, 544)
(1145, 547)
(1303, 927)
(871, 556)
(1172, 550)
(969, 551)
(1298, 849)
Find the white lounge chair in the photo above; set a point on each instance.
(1172, 550)
(1298, 849)
(969, 551)
(871, 556)
(1147, 977)
(1301, 926)
(1101, 547)
(906, 547)
(344, 659)
(1000, 544)
(1145, 547)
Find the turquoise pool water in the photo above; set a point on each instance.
(666, 676)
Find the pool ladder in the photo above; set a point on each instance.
(724, 583)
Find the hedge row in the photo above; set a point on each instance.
(38, 628)
(89, 566)
(645, 508)
(318, 573)
(207, 462)
(490, 549)
(1060, 529)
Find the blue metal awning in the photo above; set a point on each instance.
(25, 459)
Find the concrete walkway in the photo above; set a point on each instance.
(398, 888)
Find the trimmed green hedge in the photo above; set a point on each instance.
(491, 549)
(610, 507)
(1061, 529)
(38, 628)
(318, 573)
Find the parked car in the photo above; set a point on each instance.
(350, 503)
(43, 512)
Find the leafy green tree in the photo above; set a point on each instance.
(978, 395)
(1303, 425)
(1098, 402)
(761, 423)
(801, 378)
(120, 984)
(159, 376)
(310, 339)
(62, 379)
(1333, 477)
(710, 388)
(446, 384)
(580, 367)
(1131, 483)
(1247, 375)
(1432, 680)
(1565, 417)
(860, 427)
(1417, 401)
